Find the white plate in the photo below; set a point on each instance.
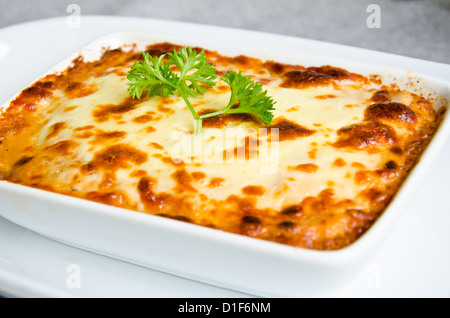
(406, 253)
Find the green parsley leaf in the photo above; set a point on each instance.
(195, 75)
(252, 99)
(152, 76)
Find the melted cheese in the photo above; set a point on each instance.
(318, 178)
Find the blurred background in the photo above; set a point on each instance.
(414, 28)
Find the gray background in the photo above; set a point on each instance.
(414, 28)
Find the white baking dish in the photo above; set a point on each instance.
(214, 257)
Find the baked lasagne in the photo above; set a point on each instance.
(338, 151)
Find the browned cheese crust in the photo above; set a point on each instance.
(89, 161)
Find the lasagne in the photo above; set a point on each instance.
(338, 151)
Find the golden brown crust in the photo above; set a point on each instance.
(321, 221)
(363, 136)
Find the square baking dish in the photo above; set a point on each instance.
(210, 256)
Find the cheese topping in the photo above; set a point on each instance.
(339, 149)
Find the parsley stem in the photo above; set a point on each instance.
(198, 119)
(189, 105)
(219, 112)
(198, 126)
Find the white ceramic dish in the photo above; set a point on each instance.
(240, 263)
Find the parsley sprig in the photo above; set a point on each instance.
(195, 75)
